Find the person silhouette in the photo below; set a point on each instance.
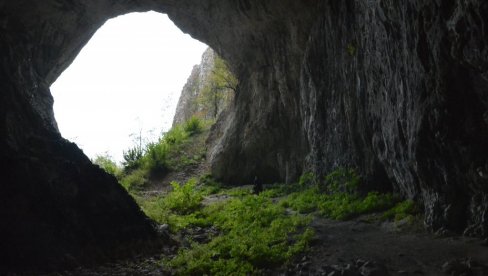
(257, 186)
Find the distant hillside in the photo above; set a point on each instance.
(208, 90)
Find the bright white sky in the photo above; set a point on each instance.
(127, 78)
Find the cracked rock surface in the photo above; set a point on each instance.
(396, 89)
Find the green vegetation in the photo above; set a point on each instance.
(107, 164)
(258, 232)
(193, 126)
(217, 91)
(244, 233)
(351, 50)
(132, 158)
(135, 180)
(254, 232)
(341, 199)
(173, 151)
(405, 209)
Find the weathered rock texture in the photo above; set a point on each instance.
(192, 101)
(397, 89)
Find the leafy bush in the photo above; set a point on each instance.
(156, 156)
(175, 136)
(135, 180)
(193, 126)
(184, 199)
(132, 158)
(107, 164)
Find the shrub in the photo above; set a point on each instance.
(193, 126)
(155, 158)
(184, 199)
(107, 164)
(135, 180)
(132, 158)
(175, 136)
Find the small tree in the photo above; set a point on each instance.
(133, 156)
(221, 81)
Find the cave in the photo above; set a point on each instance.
(397, 90)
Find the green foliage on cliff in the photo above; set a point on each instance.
(107, 164)
(193, 126)
(164, 155)
(132, 158)
(217, 91)
(135, 180)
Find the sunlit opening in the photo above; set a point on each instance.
(125, 81)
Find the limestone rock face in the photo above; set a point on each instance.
(198, 97)
(397, 89)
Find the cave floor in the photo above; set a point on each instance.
(391, 249)
(355, 247)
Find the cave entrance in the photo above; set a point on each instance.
(124, 83)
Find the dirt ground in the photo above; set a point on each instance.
(360, 248)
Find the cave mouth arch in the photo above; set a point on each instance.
(125, 80)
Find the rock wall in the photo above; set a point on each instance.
(58, 210)
(193, 100)
(397, 89)
(187, 103)
(401, 90)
